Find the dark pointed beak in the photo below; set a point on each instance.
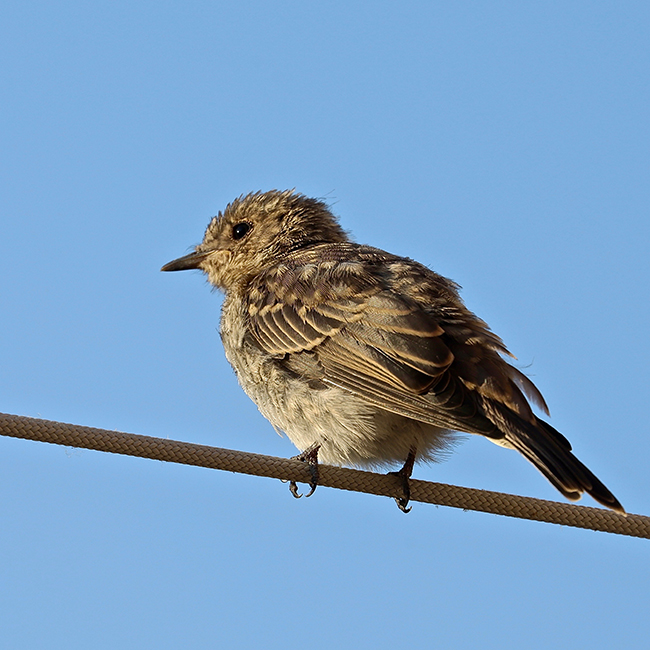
(185, 263)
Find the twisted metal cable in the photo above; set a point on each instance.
(329, 476)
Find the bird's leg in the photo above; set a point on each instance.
(404, 475)
(310, 456)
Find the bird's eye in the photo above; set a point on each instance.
(240, 229)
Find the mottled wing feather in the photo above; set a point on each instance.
(427, 355)
(445, 405)
(379, 345)
(372, 362)
(401, 341)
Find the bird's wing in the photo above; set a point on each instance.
(389, 330)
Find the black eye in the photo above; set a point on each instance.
(240, 229)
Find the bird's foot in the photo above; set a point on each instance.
(404, 475)
(310, 456)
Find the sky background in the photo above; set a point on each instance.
(504, 144)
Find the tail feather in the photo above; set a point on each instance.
(551, 453)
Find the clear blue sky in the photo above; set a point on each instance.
(504, 144)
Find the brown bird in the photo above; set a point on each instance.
(362, 357)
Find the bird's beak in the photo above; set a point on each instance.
(191, 261)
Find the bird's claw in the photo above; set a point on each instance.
(404, 475)
(403, 501)
(293, 488)
(309, 456)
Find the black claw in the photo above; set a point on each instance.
(403, 501)
(313, 470)
(293, 488)
(309, 456)
(404, 475)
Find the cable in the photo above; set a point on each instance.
(329, 476)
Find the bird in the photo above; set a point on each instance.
(363, 358)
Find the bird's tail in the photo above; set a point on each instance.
(550, 452)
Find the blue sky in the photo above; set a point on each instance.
(504, 144)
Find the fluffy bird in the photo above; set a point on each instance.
(361, 357)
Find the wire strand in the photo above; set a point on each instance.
(341, 478)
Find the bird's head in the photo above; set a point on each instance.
(255, 231)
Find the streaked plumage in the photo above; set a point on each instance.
(368, 354)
